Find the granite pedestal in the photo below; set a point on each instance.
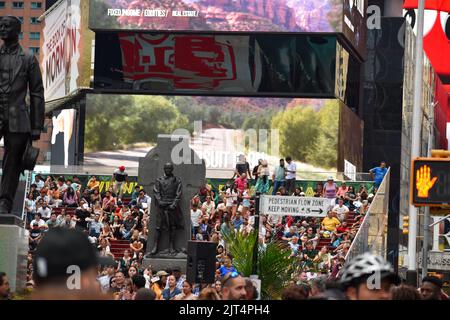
(192, 171)
(13, 251)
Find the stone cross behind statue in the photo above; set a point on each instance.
(190, 169)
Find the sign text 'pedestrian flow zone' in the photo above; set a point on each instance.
(294, 206)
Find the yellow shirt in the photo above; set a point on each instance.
(91, 184)
(155, 287)
(330, 224)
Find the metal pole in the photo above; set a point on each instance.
(255, 247)
(411, 274)
(426, 218)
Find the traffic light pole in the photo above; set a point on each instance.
(411, 274)
(426, 217)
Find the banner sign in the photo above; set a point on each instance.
(61, 50)
(294, 206)
(436, 260)
(349, 170)
(217, 185)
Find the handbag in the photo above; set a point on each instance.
(29, 157)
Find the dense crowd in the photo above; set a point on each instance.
(65, 203)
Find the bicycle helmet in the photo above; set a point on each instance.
(366, 265)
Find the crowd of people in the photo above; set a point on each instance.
(318, 246)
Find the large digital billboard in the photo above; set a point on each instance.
(218, 15)
(250, 65)
(118, 129)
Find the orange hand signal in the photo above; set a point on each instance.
(423, 182)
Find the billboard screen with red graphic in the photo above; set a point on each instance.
(283, 65)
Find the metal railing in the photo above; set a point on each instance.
(371, 235)
(219, 173)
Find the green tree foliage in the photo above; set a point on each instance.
(324, 153)
(274, 266)
(299, 128)
(113, 121)
(310, 136)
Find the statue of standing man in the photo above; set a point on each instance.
(19, 125)
(169, 218)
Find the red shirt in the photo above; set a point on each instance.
(342, 229)
(241, 184)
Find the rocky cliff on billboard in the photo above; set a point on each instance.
(218, 15)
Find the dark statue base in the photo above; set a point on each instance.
(159, 263)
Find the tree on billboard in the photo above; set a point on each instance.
(114, 121)
(299, 128)
(156, 115)
(325, 150)
(103, 112)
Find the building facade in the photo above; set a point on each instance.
(28, 12)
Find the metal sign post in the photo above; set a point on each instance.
(255, 248)
(411, 274)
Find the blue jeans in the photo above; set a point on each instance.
(276, 185)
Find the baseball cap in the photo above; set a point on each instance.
(161, 273)
(330, 178)
(60, 249)
(122, 168)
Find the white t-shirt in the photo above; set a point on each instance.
(341, 211)
(45, 213)
(291, 167)
(208, 207)
(195, 215)
(233, 197)
(39, 185)
(40, 223)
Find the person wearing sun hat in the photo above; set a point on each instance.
(119, 179)
(330, 190)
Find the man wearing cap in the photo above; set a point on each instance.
(119, 179)
(19, 124)
(65, 267)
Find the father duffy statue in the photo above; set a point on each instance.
(167, 191)
(19, 125)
